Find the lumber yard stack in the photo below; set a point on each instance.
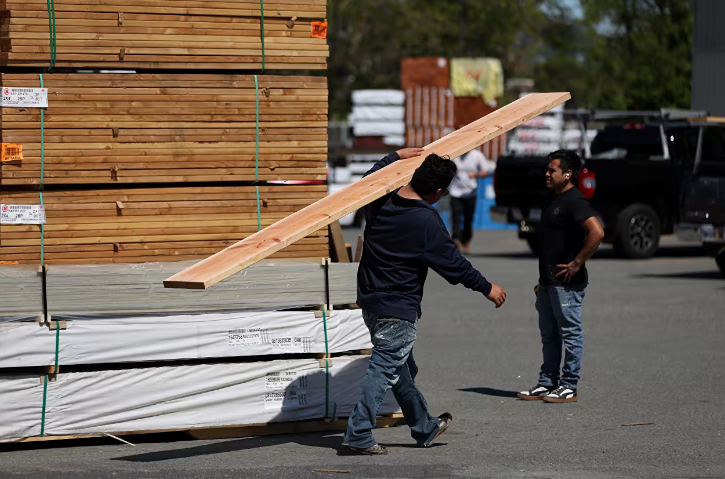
(112, 181)
(164, 34)
(105, 349)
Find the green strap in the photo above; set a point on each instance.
(57, 345)
(327, 367)
(52, 32)
(261, 23)
(42, 138)
(42, 232)
(45, 378)
(256, 158)
(45, 396)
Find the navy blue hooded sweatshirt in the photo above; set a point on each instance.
(403, 238)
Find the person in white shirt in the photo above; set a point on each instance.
(471, 167)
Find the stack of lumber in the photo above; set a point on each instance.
(122, 401)
(164, 128)
(182, 337)
(21, 290)
(116, 353)
(152, 34)
(153, 224)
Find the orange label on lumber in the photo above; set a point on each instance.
(9, 262)
(319, 30)
(10, 152)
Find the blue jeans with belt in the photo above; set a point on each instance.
(391, 366)
(560, 321)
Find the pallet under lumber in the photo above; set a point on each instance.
(230, 432)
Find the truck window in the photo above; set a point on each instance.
(631, 142)
(683, 146)
(712, 162)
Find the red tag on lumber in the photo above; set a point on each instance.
(10, 152)
(319, 30)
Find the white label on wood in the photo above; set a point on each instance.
(22, 214)
(24, 97)
(247, 337)
(285, 380)
(287, 399)
(292, 344)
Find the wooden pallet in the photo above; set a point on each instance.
(152, 34)
(164, 128)
(100, 226)
(229, 432)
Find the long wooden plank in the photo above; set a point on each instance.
(271, 239)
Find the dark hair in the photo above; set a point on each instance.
(568, 160)
(435, 173)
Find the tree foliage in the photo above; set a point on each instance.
(623, 54)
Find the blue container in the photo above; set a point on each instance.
(485, 199)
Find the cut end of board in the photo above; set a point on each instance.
(169, 283)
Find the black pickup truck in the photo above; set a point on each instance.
(703, 196)
(633, 178)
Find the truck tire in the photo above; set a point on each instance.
(637, 233)
(533, 242)
(720, 260)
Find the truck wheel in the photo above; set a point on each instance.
(637, 232)
(720, 260)
(533, 242)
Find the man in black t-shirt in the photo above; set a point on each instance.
(570, 234)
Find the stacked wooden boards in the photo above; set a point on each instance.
(166, 34)
(167, 128)
(96, 226)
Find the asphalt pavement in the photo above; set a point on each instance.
(653, 355)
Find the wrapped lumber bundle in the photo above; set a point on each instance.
(118, 401)
(162, 128)
(152, 34)
(100, 226)
(207, 336)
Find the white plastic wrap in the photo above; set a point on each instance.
(181, 397)
(122, 289)
(175, 338)
(378, 97)
(378, 128)
(376, 113)
(21, 293)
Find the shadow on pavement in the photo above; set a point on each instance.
(491, 392)
(693, 275)
(325, 440)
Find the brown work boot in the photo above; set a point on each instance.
(376, 450)
(446, 420)
(458, 244)
(467, 248)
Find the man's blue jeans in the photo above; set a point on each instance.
(560, 320)
(391, 365)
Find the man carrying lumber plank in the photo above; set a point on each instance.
(404, 236)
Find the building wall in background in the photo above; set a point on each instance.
(708, 57)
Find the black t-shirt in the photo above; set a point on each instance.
(562, 235)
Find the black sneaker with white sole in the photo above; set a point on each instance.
(376, 450)
(536, 393)
(446, 420)
(561, 394)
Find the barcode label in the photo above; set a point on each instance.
(22, 214)
(247, 337)
(289, 399)
(285, 380)
(24, 97)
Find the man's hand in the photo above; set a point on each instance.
(569, 270)
(497, 295)
(406, 153)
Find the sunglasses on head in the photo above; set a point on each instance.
(445, 193)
